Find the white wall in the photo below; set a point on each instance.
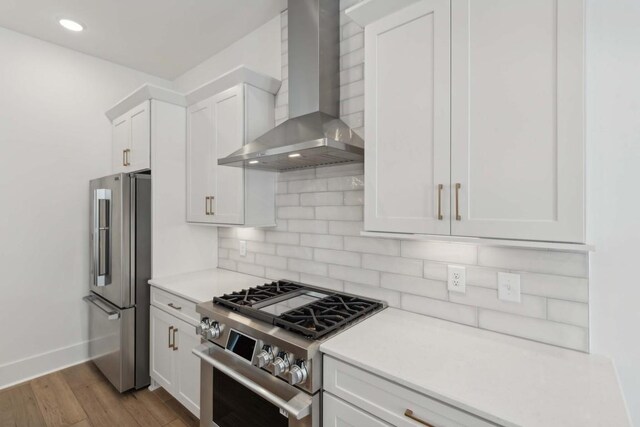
(613, 138)
(54, 138)
(258, 50)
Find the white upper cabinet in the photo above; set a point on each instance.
(131, 140)
(216, 127)
(517, 119)
(483, 97)
(407, 120)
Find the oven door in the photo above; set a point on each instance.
(235, 393)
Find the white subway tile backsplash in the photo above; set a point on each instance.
(441, 309)
(272, 261)
(294, 251)
(327, 198)
(322, 281)
(392, 264)
(529, 305)
(537, 261)
(346, 228)
(308, 186)
(283, 237)
(345, 183)
(440, 251)
(354, 198)
(309, 267)
(297, 212)
(356, 275)
(575, 313)
(342, 213)
(372, 246)
(337, 257)
(392, 298)
(414, 285)
(324, 241)
(535, 329)
(560, 287)
(317, 240)
(287, 200)
(308, 226)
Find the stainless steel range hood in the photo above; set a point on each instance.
(314, 135)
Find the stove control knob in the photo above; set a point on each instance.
(213, 331)
(203, 326)
(281, 364)
(298, 373)
(265, 356)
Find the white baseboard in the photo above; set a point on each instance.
(41, 364)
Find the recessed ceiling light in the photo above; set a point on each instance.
(253, 162)
(294, 155)
(71, 25)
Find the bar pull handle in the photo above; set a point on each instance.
(206, 205)
(175, 307)
(440, 187)
(170, 330)
(175, 347)
(101, 237)
(127, 157)
(211, 212)
(409, 414)
(458, 217)
(111, 313)
(124, 157)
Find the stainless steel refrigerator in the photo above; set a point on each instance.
(120, 248)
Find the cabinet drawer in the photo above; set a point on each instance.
(177, 306)
(390, 401)
(337, 413)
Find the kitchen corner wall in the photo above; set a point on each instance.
(317, 240)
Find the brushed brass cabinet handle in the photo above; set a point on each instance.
(409, 414)
(170, 329)
(458, 217)
(175, 347)
(175, 307)
(124, 157)
(440, 187)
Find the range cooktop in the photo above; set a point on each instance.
(307, 310)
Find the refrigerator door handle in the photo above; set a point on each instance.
(102, 237)
(111, 313)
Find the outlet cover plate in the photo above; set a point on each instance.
(457, 278)
(509, 287)
(243, 248)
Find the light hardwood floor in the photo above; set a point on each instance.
(81, 396)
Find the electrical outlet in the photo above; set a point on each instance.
(509, 287)
(457, 278)
(243, 248)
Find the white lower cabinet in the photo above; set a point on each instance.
(337, 413)
(367, 399)
(173, 366)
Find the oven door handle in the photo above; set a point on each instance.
(274, 390)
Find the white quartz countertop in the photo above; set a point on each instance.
(201, 286)
(507, 380)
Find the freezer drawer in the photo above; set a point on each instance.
(112, 341)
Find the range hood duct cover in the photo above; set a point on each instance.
(314, 135)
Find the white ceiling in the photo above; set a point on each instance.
(161, 37)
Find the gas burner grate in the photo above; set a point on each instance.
(320, 317)
(250, 297)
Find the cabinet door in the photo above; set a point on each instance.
(120, 133)
(407, 123)
(200, 154)
(517, 119)
(188, 366)
(228, 136)
(163, 368)
(140, 140)
(337, 413)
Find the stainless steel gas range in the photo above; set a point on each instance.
(260, 359)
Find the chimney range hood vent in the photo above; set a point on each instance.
(314, 135)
